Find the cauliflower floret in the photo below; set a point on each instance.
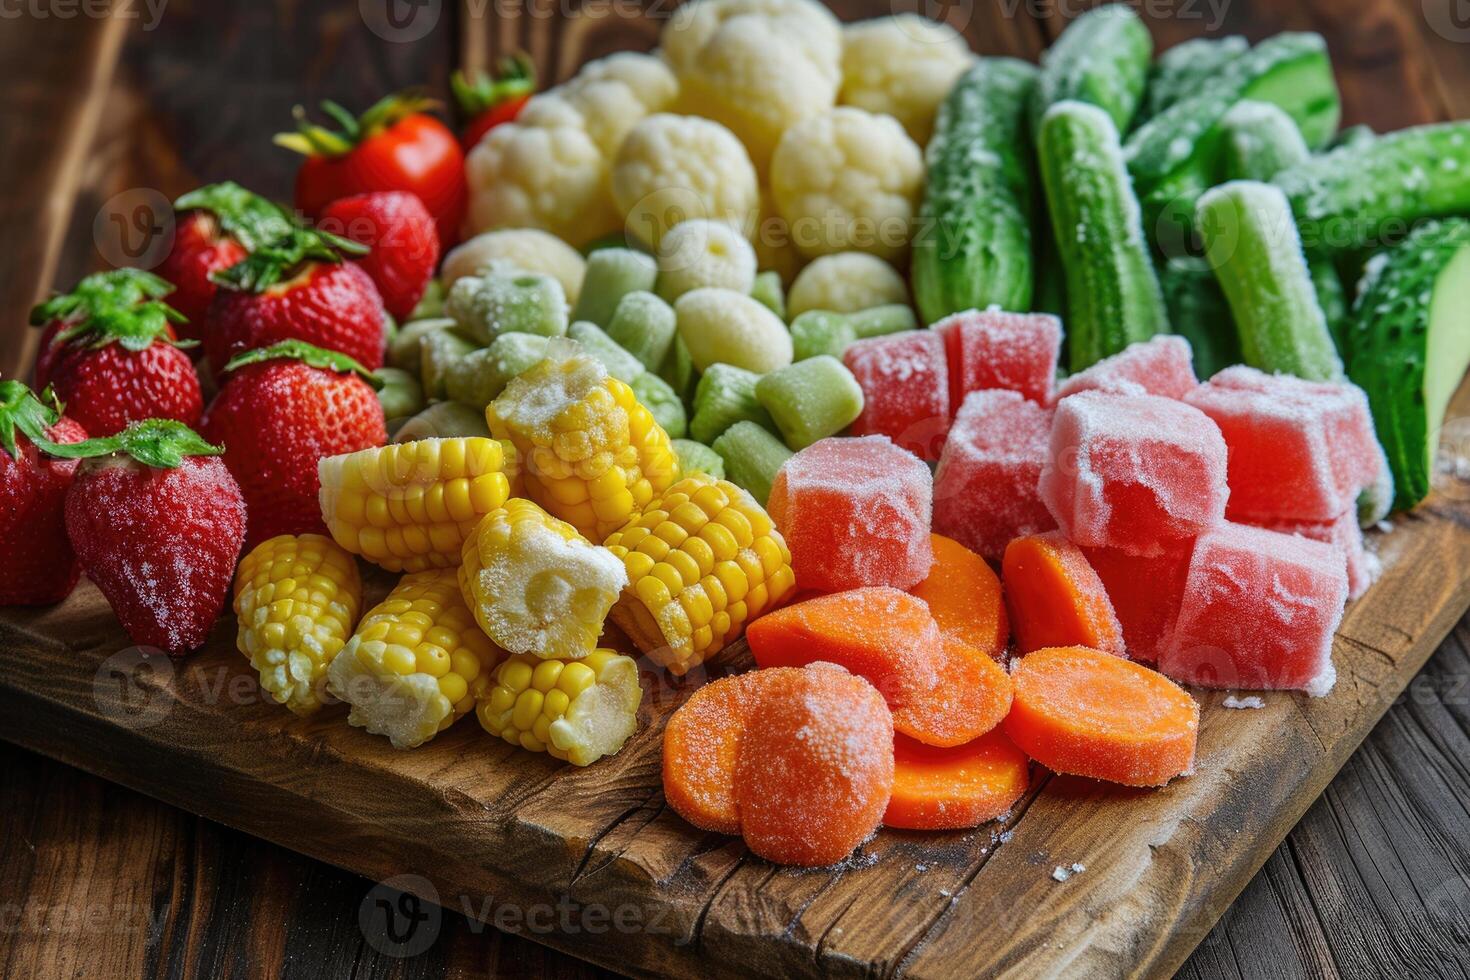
(672, 168)
(754, 78)
(848, 180)
(845, 283)
(527, 249)
(613, 93)
(721, 326)
(541, 171)
(701, 253)
(903, 65)
(807, 23)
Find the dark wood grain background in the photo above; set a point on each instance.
(104, 115)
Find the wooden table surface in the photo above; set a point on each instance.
(106, 116)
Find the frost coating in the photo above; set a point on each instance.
(529, 249)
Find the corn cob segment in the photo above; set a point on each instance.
(702, 561)
(537, 586)
(297, 600)
(417, 662)
(593, 456)
(576, 710)
(411, 505)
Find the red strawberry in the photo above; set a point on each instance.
(39, 567)
(281, 410)
(110, 353)
(487, 101)
(158, 527)
(404, 242)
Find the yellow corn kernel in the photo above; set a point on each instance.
(593, 456)
(417, 662)
(537, 586)
(576, 710)
(297, 600)
(410, 506)
(702, 562)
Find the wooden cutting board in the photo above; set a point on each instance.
(591, 860)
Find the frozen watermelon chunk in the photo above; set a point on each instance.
(1135, 472)
(1162, 365)
(1299, 450)
(1258, 613)
(905, 382)
(1146, 592)
(985, 487)
(992, 349)
(855, 512)
(1346, 535)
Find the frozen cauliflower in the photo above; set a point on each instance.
(542, 171)
(845, 283)
(701, 253)
(755, 79)
(672, 168)
(807, 23)
(721, 326)
(613, 93)
(848, 180)
(903, 66)
(528, 249)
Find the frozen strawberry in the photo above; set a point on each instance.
(282, 409)
(39, 567)
(110, 353)
(157, 523)
(404, 243)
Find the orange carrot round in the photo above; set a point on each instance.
(964, 597)
(1089, 713)
(1054, 597)
(954, 788)
(972, 697)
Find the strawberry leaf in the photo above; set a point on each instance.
(247, 217)
(278, 259)
(310, 354)
(161, 443)
(118, 306)
(22, 411)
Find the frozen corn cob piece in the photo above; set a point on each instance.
(297, 598)
(444, 420)
(643, 325)
(767, 292)
(612, 274)
(537, 586)
(752, 456)
(619, 363)
(439, 350)
(574, 710)
(592, 455)
(662, 402)
(726, 395)
(696, 457)
(817, 332)
(410, 506)
(811, 399)
(417, 662)
(508, 302)
(703, 560)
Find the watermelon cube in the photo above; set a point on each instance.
(1299, 450)
(1259, 611)
(985, 487)
(1346, 535)
(1146, 592)
(992, 349)
(1162, 365)
(905, 382)
(855, 512)
(1135, 472)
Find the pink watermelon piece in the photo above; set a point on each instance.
(1299, 450)
(905, 382)
(993, 349)
(1259, 611)
(855, 512)
(985, 487)
(1146, 592)
(1135, 472)
(1162, 365)
(1346, 535)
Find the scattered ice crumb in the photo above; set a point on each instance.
(921, 868)
(944, 893)
(1231, 701)
(1005, 837)
(1384, 526)
(1061, 873)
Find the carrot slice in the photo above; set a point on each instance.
(1089, 713)
(814, 770)
(1055, 598)
(964, 597)
(954, 788)
(972, 697)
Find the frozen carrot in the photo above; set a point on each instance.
(972, 697)
(1088, 713)
(1054, 597)
(964, 597)
(953, 788)
(814, 769)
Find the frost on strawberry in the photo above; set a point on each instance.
(39, 565)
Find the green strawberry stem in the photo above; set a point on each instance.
(313, 140)
(22, 410)
(251, 219)
(478, 91)
(309, 354)
(121, 306)
(274, 261)
(161, 443)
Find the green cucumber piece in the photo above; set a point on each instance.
(1199, 312)
(1410, 346)
(1102, 58)
(769, 293)
(1252, 244)
(1113, 296)
(1182, 69)
(972, 248)
(696, 457)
